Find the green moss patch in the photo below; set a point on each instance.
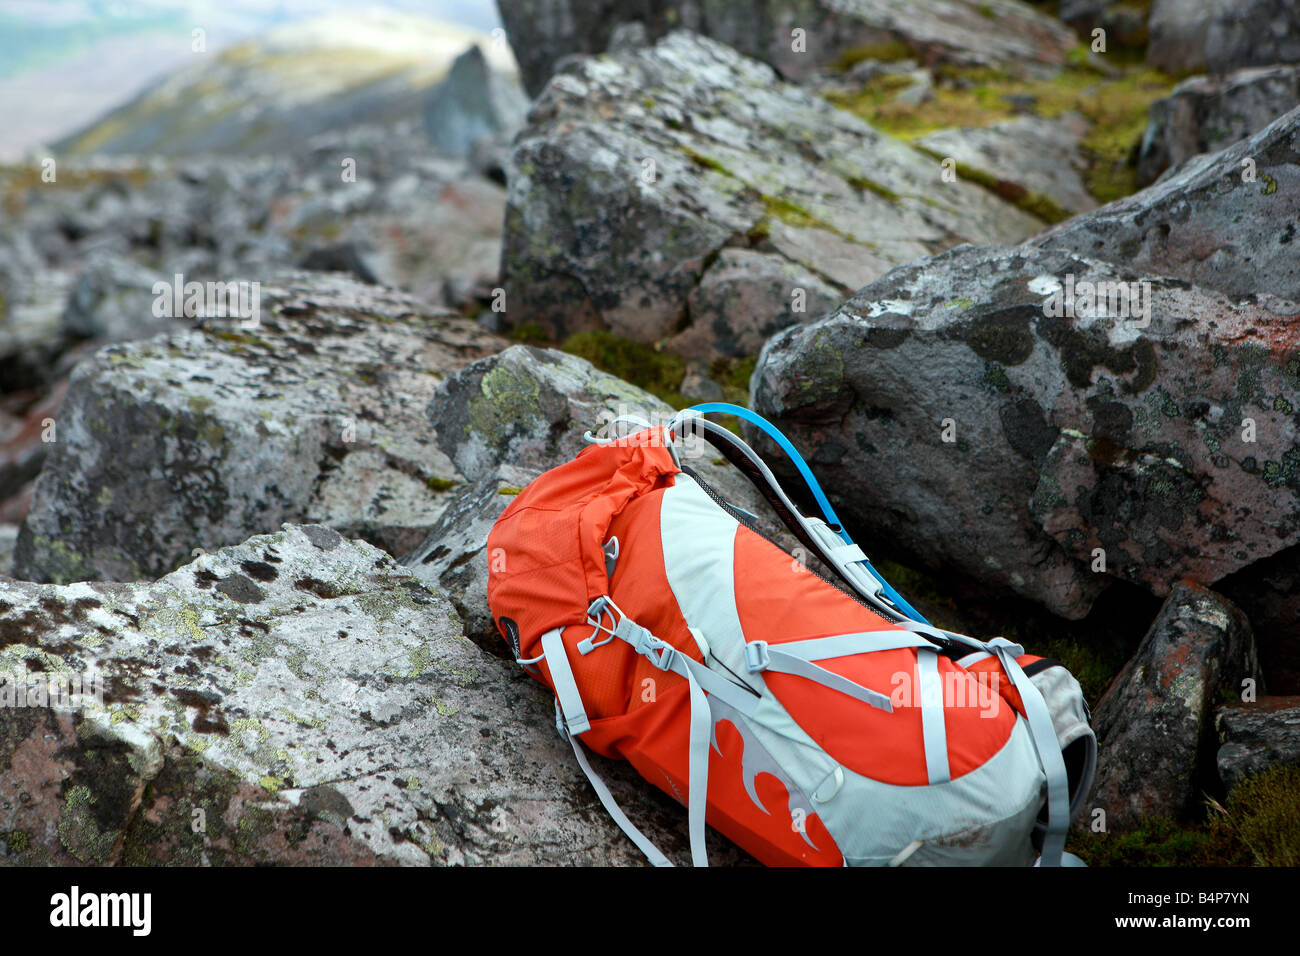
(975, 97)
(659, 373)
(733, 375)
(891, 51)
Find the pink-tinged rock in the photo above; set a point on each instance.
(1156, 720)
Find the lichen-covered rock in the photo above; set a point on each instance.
(1257, 735)
(295, 699)
(453, 559)
(1030, 160)
(975, 409)
(1222, 35)
(798, 39)
(744, 297)
(1225, 221)
(637, 169)
(1157, 717)
(1205, 114)
(530, 408)
(203, 437)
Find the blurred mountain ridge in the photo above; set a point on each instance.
(295, 81)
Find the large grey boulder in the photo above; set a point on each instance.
(1002, 32)
(1222, 35)
(295, 699)
(977, 411)
(1157, 718)
(473, 102)
(203, 437)
(1256, 735)
(1225, 221)
(637, 170)
(1205, 114)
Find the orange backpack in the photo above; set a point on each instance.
(810, 721)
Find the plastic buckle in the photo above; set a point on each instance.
(659, 653)
(667, 654)
(757, 657)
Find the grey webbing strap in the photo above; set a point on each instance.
(698, 797)
(934, 731)
(844, 645)
(566, 688)
(699, 679)
(776, 659)
(652, 852)
(666, 657)
(1043, 732)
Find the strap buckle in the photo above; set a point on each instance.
(660, 653)
(757, 657)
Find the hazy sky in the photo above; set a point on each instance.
(65, 62)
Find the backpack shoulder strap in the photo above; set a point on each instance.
(825, 538)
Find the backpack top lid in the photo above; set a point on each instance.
(540, 571)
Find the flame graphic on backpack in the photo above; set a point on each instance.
(754, 759)
(624, 571)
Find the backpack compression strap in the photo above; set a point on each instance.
(819, 536)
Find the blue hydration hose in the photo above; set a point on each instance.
(827, 511)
